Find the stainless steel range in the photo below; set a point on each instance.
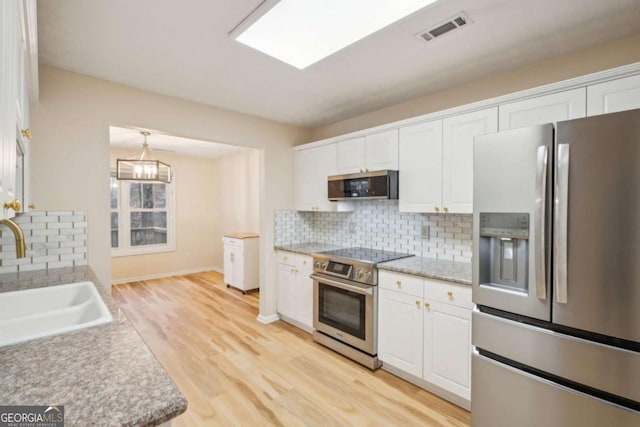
(345, 301)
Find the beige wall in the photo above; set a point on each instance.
(236, 185)
(597, 58)
(70, 149)
(200, 215)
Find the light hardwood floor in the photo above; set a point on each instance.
(234, 370)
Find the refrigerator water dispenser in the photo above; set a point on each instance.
(504, 249)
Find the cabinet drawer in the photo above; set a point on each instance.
(231, 242)
(304, 263)
(405, 283)
(301, 262)
(447, 292)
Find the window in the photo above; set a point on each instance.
(142, 217)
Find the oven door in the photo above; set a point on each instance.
(346, 311)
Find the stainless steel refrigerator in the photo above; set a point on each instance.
(556, 275)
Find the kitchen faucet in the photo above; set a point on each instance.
(21, 250)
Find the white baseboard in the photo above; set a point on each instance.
(268, 319)
(169, 274)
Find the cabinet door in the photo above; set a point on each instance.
(381, 151)
(351, 156)
(326, 164)
(228, 268)
(311, 168)
(457, 156)
(570, 104)
(238, 269)
(304, 179)
(10, 67)
(420, 166)
(400, 331)
(304, 297)
(286, 289)
(447, 347)
(616, 95)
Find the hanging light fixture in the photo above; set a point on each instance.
(143, 168)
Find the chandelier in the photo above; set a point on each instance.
(143, 168)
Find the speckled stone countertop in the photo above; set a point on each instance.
(104, 375)
(307, 248)
(459, 272)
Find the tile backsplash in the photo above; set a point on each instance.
(379, 224)
(54, 239)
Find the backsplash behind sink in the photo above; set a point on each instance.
(379, 225)
(54, 239)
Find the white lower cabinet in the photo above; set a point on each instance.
(400, 339)
(295, 289)
(424, 330)
(447, 347)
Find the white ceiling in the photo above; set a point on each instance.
(121, 137)
(182, 49)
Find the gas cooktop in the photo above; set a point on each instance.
(365, 255)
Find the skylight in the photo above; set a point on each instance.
(302, 32)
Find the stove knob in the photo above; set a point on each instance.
(324, 265)
(317, 264)
(359, 273)
(368, 275)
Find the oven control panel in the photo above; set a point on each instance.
(346, 270)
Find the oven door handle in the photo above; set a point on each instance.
(368, 290)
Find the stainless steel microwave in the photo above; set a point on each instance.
(381, 184)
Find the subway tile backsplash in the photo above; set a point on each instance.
(379, 224)
(54, 239)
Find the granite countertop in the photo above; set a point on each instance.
(103, 375)
(459, 272)
(308, 248)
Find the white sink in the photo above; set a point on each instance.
(41, 312)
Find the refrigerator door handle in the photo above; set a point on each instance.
(561, 214)
(539, 221)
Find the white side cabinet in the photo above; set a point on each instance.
(377, 151)
(424, 333)
(242, 261)
(295, 289)
(613, 96)
(436, 162)
(566, 105)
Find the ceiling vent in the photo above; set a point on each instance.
(453, 23)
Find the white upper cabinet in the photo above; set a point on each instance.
(436, 162)
(420, 167)
(381, 151)
(18, 83)
(311, 169)
(351, 154)
(374, 152)
(567, 105)
(457, 156)
(10, 83)
(613, 96)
